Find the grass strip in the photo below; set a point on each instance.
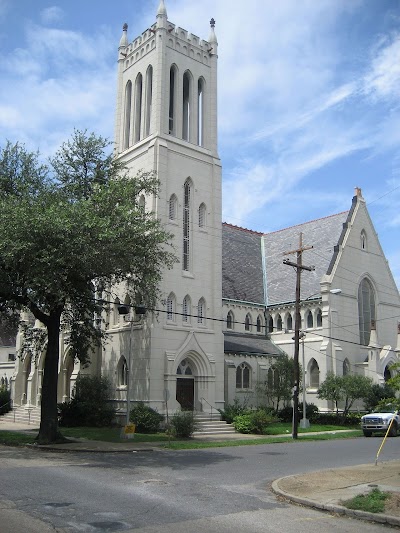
(373, 502)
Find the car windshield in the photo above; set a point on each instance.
(387, 409)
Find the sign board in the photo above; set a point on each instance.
(130, 431)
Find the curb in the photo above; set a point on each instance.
(378, 518)
(46, 448)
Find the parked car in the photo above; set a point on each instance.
(378, 422)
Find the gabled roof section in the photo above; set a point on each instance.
(323, 234)
(242, 271)
(250, 344)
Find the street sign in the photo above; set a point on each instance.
(129, 431)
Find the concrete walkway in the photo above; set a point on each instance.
(324, 490)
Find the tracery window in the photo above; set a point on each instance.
(184, 368)
(243, 376)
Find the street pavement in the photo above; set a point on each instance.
(324, 489)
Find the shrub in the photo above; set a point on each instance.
(244, 423)
(254, 421)
(90, 404)
(147, 420)
(232, 410)
(5, 400)
(183, 424)
(286, 414)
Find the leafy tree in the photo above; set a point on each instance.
(90, 405)
(377, 394)
(71, 230)
(347, 389)
(279, 387)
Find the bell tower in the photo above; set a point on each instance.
(166, 120)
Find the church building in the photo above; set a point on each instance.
(227, 307)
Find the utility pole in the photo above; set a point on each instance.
(297, 323)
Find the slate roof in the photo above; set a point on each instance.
(242, 272)
(242, 269)
(249, 344)
(323, 234)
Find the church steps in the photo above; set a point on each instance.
(207, 426)
(23, 415)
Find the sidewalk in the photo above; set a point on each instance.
(323, 490)
(326, 489)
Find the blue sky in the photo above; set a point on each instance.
(308, 96)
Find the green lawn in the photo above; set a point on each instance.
(280, 428)
(14, 438)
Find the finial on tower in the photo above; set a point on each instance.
(212, 39)
(124, 38)
(357, 191)
(162, 10)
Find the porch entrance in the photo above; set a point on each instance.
(185, 393)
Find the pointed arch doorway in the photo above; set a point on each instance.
(185, 386)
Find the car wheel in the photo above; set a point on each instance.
(367, 433)
(393, 430)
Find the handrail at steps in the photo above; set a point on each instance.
(211, 413)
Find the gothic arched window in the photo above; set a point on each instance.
(366, 310)
(172, 99)
(186, 226)
(200, 112)
(128, 110)
(202, 215)
(172, 207)
(187, 104)
(279, 323)
(149, 99)
(186, 309)
(248, 322)
(309, 320)
(243, 376)
(171, 303)
(229, 320)
(259, 324)
(201, 311)
(289, 322)
(319, 318)
(138, 107)
(314, 374)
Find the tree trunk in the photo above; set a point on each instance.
(48, 432)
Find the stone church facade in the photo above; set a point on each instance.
(227, 307)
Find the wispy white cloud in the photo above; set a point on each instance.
(52, 15)
(383, 79)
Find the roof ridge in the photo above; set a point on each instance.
(243, 229)
(308, 222)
